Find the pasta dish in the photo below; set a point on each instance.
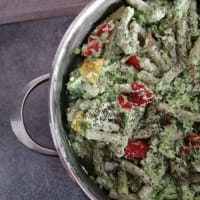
(134, 101)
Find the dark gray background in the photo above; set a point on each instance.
(26, 51)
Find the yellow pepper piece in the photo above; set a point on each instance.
(91, 69)
(77, 123)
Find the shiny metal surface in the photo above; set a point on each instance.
(63, 63)
(17, 118)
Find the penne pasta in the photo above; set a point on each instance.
(194, 56)
(147, 77)
(155, 56)
(193, 16)
(146, 133)
(122, 183)
(136, 171)
(106, 137)
(180, 113)
(122, 30)
(134, 102)
(181, 40)
(98, 161)
(141, 5)
(181, 8)
(169, 76)
(114, 195)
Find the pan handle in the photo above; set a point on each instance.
(17, 118)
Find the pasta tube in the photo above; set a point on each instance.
(178, 112)
(181, 39)
(106, 137)
(193, 16)
(122, 183)
(98, 160)
(194, 56)
(136, 171)
(141, 5)
(181, 8)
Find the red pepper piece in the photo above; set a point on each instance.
(139, 96)
(121, 100)
(193, 138)
(133, 61)
(136, 86)
(90, 38)
(137, 99)
(123, 104)
(136, 149)
(127, 106)
(148, 95)
(102, 28)
(92, 46)
(141, 88)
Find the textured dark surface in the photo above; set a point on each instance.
(26, 51)
(22, 10)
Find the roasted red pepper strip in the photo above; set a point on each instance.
(193, 138)
(127, 106)
(92, 46)
(90, 38)
(139, 96)
(121, 100)
(133, 61)
(136, 149)
(102, 28)
(123, 104)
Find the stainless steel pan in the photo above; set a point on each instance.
(63, 64)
